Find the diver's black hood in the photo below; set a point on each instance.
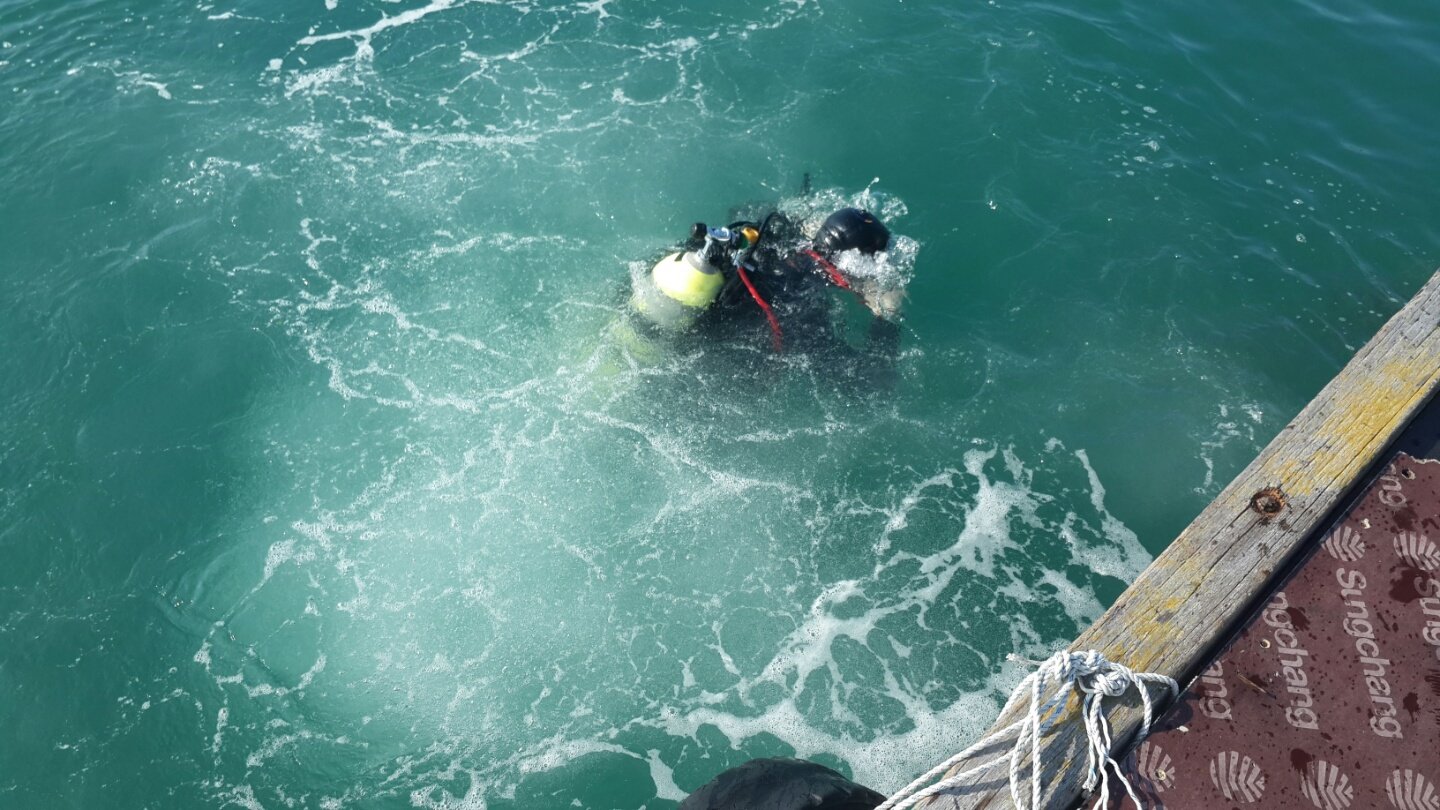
(851, 228)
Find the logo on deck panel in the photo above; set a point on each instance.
(1326, 787)
(1409, 790)
(1238, 777)
(1418, 551)
(1154, 764)
(1345, 544)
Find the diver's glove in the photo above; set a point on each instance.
(884, 300)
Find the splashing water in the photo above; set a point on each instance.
(328, 481)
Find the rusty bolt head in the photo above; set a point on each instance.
(1268, 502)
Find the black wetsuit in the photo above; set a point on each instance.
(788, 277)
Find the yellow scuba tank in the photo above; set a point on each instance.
(677, 289)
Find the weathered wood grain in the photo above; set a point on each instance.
(1196, 593)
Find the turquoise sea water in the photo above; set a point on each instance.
(323, 483)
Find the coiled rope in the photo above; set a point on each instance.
(1096, 678)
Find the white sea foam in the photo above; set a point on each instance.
(363, 36)
(128, 79)
(222, 718)
(436, 798)
(664, 778)
(512, 552)
(1117, 557)
(482, 521)
(244, 796)
(596, 7)
(422, 513)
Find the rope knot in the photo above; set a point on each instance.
(1087, 672)
(1111, 680)
(1066, 665)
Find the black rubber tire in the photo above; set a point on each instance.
(782, 784)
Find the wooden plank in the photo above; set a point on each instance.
(1195, 593)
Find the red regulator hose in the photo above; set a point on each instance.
(777, 337)
(830, 269)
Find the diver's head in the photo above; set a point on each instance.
(851, 228)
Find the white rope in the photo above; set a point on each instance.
(1096, 678)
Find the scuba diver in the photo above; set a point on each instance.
(766, 279)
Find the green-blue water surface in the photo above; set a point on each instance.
(323, 483)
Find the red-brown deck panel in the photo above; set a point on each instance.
(1330, 698)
